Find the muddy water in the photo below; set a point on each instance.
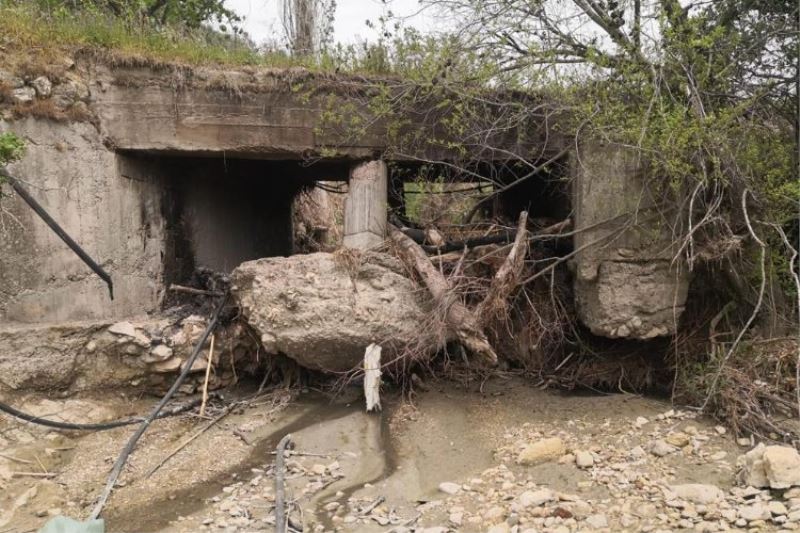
(387, 462)
(310, 411)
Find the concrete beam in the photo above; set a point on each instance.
(365, 206)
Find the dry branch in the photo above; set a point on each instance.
(192, 290)
(506, 279)
(457, 317)
(191, 439)
(280, 486)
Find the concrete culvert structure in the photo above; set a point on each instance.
(212, 191)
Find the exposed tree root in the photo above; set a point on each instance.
(457, 316)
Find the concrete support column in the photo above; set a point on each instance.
(365, 206)
(626, 283)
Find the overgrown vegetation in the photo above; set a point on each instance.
(11, 147)
(193, 33)
(705, 94)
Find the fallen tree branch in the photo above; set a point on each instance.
(507, 275)
(47, 475)
(188, 441)
(16, 459)
(458, 318)
(536, 170)
(208, 375)
(280, 486)
(553, 231)
(192, 290)
(756, 309)
(371, 507)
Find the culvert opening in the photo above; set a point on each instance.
(215, 213)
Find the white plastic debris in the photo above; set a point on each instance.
(372, 377)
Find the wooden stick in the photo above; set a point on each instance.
(119, 464)
(208, 373)
(188, 441)
(16, 459)
(34, 474)
(280, 494)
(293, 453)
(192, 290)
(369, 508)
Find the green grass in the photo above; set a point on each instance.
(24, 27)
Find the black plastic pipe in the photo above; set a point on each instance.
(44, 215)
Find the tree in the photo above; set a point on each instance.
(191, 14)
(307, 24)
(706, 91)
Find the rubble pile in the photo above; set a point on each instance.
(628, 483)
(162, 346)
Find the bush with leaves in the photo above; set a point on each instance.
(706, 93)
(11, 149)
(191, 14)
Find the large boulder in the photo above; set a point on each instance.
(323, 310)
(776, 467)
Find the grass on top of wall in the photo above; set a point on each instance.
(28, 30)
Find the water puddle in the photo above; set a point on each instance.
(310, 410)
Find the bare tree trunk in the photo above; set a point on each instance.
(458, 318)
(507, 277)
(300, 24)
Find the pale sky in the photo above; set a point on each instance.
(262, 18)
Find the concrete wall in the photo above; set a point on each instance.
(116, 220)
(626, 283)
(147, 220)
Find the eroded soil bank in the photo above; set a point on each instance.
(447, 461)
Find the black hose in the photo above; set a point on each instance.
(102, 426)
(119, 464)
(45, 216)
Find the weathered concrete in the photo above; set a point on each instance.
(180, 168)
(116, 220)
(75, 356)
(365, 206)
(323, 311)
(277, 114)
(626, 284)
(148, 220)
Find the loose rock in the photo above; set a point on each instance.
(541, 451)
(660, 448)
(698, 493)
(449, 488)
(584, 459)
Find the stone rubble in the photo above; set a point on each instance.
(67, 93)
(618, 486)
(776, 467)
(638, 489)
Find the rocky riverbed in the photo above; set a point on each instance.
(498, 456)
